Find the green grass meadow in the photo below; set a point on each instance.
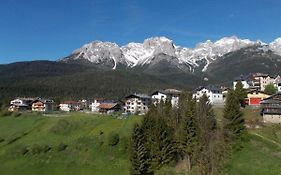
(78, 144)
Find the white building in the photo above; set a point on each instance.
(70, 106)
(171, 94)
(21, 104)
(213, 93)
(244, 83)
(95, 106)
(277, 83)
(137, 104)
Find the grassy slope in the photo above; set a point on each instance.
(262, 154)
(88, 152)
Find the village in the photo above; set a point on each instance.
(254, 84)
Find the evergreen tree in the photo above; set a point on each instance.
(233, 120)
(270, 89)
(207, 128)
(139, 154)
(188, 134)
(241, 93)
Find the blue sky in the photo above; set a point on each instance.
(51, 29)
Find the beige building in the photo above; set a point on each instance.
(260, 81)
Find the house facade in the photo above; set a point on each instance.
(277, 83)
(243, 79)
(21, 104)
(271, 109)
(68, 106)
(137, 104)
(43, 105)
(167, 94)
(109, 108)
(213, 93)
(260, 81)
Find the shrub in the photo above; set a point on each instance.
(113, 139)
(6, 113)
(16, 114)
(18, 149)
(2, 140)
(61, 147)
(36, 149)
(23, 150)
(46, 148)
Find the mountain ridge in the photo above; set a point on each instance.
(140, 54)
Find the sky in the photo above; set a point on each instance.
(52, 29)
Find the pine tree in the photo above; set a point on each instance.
(241, 93)
(139, 153)
(207, 128)
(233, 120)
(188, 134)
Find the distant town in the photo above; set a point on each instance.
(254, 84)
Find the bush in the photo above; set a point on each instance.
(6, 113)
(2, 140)
(61, 147)
(16, 114)
(113, 139)
(36, 149)
(18, 149)
(23, 150)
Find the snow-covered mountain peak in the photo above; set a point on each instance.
(139, 54)
(276, 46)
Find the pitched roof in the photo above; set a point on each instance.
(138, 96)
(107, 105)
(209, 87)
(168, 92)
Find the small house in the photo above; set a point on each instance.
(271, 109)
(70, 106)
(167, 94)
(213, 93)
(21, 104)
(243, 80)
(43, 105)
(109, 108)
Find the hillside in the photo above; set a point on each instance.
(78, 143)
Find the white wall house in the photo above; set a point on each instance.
(137, 103)
(95, 106)
(171, 94)
(213, 93)
(70, 106)
(244, 83)
(277, 83)
(20, 104)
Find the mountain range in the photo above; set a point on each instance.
(104, 69)
(161, 49)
